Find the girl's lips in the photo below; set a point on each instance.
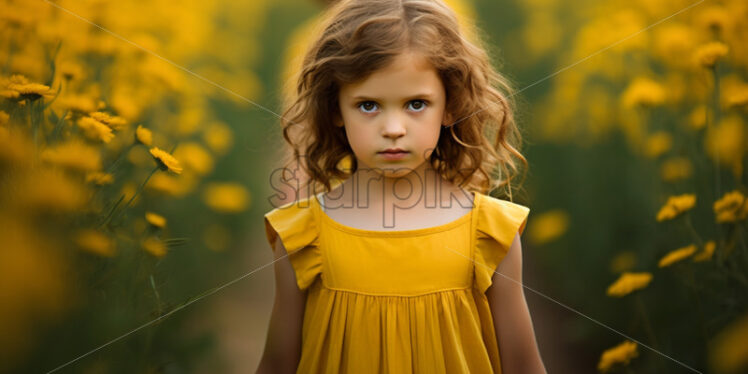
(394, 155)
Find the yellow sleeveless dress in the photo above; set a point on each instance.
(409, 301)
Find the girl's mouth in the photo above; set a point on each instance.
(394, 155)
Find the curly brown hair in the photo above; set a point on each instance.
(356, 38)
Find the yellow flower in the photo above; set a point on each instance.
(731, 207)
(155, 247)
(172, 185)
(34, 91)
(714, 17)
(697, 118)
(48, 189)
(729, 351)
(226, 197)
(128, 102)
(548, 226)
(95, 242)
(35, 277)
(100, 178)
(114, 122)
(73, 154)
(725, 143)
(658, 143)
(165, 184)
(643, 91)
(155, 219)
(218, 137)
(15, 147)
(676, 255)
(676, 168)
(95, 130)
(628, 283)
(17, 79)
(676, 205)
(195, 158)
(189, 120)
(78, 103)
(9, 94)
(18, 87)
(734, 91)
(672, 42)
(143, 136)
(620, 354)
(738, 97)
(708, 54)
(70, 70)
(542, 33)
(165, 161)
(707, 253)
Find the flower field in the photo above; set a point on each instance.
(138, 139)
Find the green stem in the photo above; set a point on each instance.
(693, 231)
(158, 298)
(33, 123)
(645, 318)
(114, 164)
(175, 241)
(715, 122)
(159, 310)
(111, 211)
(139, 190)
(711, 127)
(647, 326)
(59, 126)
(119, 158)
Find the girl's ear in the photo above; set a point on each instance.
(446, 119)
(337, 120)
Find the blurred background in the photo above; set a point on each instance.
(137, 142)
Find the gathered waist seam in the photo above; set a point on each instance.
(396, 295)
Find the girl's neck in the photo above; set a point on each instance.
(422, 188)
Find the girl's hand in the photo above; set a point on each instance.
(514, 331)
(283, 345)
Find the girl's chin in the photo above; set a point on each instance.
(389, 169)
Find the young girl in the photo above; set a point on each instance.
(408, 265)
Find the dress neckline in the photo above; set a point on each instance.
(396, 233)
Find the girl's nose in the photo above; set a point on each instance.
(394, 127)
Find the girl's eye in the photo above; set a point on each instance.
(420, 105)
(364, 103)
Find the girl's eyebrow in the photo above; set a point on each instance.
(422, 95)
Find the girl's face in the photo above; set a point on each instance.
(399, 106)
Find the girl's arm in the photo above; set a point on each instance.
(517, 346)
(283, 344)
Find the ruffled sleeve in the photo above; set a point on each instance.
(296, 224)
(497, 224)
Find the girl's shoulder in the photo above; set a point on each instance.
(497, 216)
(497, 223)
(294, 222)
